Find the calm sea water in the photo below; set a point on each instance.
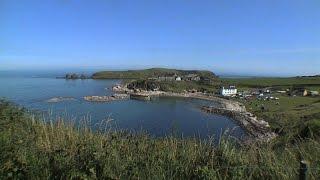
(158, 118)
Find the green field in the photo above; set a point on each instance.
(33, 149)
(312, 83)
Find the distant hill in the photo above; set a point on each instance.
(151, 73)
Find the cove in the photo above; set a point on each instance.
(160, 117)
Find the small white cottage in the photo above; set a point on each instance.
(231, 90)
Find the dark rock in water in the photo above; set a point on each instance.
(76, 76)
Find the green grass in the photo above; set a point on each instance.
(149, 73)
(34, 149)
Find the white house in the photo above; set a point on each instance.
(178, 78)
(231, 90)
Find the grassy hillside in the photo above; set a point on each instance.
(176, 86)
(289, 116)
(148, 73)
(33, 149)
(311, 82)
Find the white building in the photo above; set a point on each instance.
(314, 93)
(231, 90)
(178, 78)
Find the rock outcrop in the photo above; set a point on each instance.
(257, 129)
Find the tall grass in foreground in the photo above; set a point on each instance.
(33, 149)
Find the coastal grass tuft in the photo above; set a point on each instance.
(32, 148)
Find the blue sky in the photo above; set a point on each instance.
(248, 37)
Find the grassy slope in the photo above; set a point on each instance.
(32, 149)
(147, 73)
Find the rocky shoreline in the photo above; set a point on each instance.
(257, 129)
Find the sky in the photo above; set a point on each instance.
(240, 37)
